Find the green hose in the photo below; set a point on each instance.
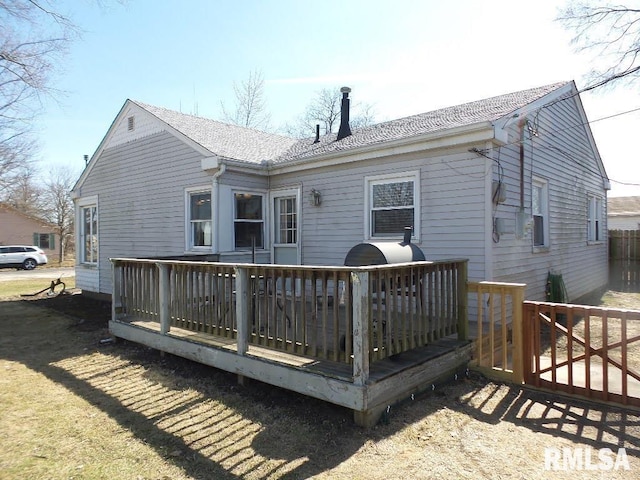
(556, 291)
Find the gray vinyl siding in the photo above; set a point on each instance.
(141, 189)
(562, 156)
(452, 206)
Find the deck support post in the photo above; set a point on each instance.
(242, 313)
(164, 292)
(518, 336)
(242, 309)
(462, 295)
(360, 282)
(116, 301)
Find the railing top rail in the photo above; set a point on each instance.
(487, 283)
(592, 309)
(289, 267)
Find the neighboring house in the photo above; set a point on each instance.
(19, 228)
(623, 213)
(513, 183)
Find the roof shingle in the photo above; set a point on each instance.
(228, 141)
(489, 109)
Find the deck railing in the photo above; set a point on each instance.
(498, 329)
(353, 315)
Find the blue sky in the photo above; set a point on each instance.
(404, 57)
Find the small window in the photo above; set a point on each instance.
(200, 231)
(131, 123)
(44, 240)
(540, 212)
(594, 219)
(392, 205)
(248, 221)
(89, 234)
(286, 216)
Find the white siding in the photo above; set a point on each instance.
(561, 154)
(452, 206)
(141, 189)
(88, 278)
(144, 125)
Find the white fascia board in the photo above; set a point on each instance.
(469, 134)
(209, 164)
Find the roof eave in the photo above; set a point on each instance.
(477, 132)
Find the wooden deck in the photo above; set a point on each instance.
(360, 337)
(390, 379)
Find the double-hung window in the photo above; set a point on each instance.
(540, 212)
(200, 223)
(594, 219)
(248, 220)
(89, 234)
(392, 204)
(44, 240)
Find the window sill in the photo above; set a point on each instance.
(598, 242)
(90, 266)
(541, 249)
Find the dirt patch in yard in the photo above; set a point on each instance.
(78, 408)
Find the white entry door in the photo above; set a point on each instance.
(285, 227)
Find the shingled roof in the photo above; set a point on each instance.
(221, 139)
(486, 110)
(254, 146)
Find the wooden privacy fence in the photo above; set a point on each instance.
(342, 314)
(590, 351)
(624, 258)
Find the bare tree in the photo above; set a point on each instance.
(32, 39)
(324, 110)
(23, 192)
(250, 109)
(58, 206)
(612, 32)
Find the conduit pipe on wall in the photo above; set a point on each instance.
(215, 208)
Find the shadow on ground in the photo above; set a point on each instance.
(199, 419)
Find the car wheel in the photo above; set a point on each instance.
(29, 264)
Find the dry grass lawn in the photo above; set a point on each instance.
(75, 408)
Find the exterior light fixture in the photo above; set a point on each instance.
(315, 197)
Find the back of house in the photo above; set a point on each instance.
(512, 183)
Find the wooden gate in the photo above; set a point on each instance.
(577, 349)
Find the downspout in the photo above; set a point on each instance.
(521, 124)
(215, 210)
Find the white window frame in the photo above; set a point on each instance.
(594, 219)
(262, 221)
(370, 181)
(83, 204)
(189, 246)
(543, 185)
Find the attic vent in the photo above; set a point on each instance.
(130, 123)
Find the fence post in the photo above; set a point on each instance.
(242, 310)
(360, 281)
(463, 315)
(164, 292)
(518, 335)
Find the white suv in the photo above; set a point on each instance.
(21, 257)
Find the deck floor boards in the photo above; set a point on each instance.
(379, 370)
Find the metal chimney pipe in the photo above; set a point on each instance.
(344, 130)
(407, 235)
(317, 140)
